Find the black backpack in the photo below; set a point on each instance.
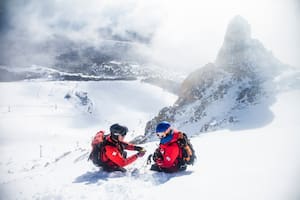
(188, 152)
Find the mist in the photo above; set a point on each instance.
(177, 35)
(193, 31)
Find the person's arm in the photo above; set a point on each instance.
(169, 156)
(132, 147)
(115, 156)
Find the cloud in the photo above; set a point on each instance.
(36, 25)
(76, 17)
(180, 35)
(192, 31)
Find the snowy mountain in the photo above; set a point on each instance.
(45, 142)
(46, 127)
(222, 94)
(109, 71)
(106, 71)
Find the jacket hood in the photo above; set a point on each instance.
(172, 137)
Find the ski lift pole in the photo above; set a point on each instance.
(41, 152)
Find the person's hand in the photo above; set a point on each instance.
(138, 148)
(156, 155)
(141, 153)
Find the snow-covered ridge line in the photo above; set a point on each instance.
(111, 71)
(49, 74)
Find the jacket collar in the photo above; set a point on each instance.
(170, 137)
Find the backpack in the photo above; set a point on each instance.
(188, 152)
(98, 144)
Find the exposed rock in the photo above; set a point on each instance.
(214, 96)
(80, 100)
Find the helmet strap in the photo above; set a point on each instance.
(169, 131)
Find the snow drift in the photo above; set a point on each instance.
(44, 148)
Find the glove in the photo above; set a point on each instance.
(137, 148)
(149, 159)
(156, 155)
(141, 153)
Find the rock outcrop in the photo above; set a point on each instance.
(216, 95)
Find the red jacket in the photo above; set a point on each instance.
(170, 152)
(112, 155)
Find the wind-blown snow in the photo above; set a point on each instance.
(45, 141)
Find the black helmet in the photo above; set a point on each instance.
(117, 129)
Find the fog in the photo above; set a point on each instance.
(180, 35)
(192, 33)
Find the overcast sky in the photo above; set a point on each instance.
(185, 34)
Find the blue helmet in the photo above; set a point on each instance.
(162, 126)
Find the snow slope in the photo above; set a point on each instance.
(45, 144)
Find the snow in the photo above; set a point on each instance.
(45, 141)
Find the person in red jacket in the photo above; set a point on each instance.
(168, 156)
(113, 155)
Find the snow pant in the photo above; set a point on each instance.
(155, 167)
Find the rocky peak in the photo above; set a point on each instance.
(218, 94)
(238, 32)
(193, 87)
(244, 56)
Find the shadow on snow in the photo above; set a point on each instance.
(161, 177)
(95, 176)
(155, 178)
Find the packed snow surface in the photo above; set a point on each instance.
(46, 129)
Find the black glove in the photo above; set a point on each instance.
(149, 159)
(137, 148)
(157, 155)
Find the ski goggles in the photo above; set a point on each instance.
(123, 133)
(163, 134)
